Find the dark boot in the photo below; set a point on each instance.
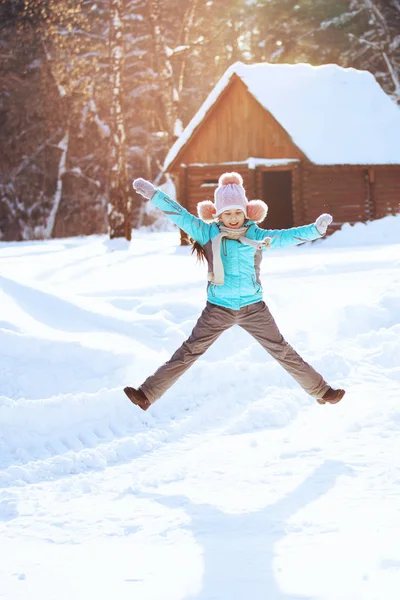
(137, 397)
(331, 396)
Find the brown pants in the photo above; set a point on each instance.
(214, 320)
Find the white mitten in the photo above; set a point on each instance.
(322, 223)
(145, 188)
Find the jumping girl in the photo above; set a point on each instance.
(227, 235)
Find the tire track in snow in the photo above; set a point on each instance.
(72, 434)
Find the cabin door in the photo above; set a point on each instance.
(277, 193)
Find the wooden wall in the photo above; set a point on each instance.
(385, 190)
(235, 128)
(351, 193)
(340, 191)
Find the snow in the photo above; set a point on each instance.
(269, 162)
(335, 115)
(235, 484)
(178, 127)
(253, 163)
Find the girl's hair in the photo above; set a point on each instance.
(198, 250)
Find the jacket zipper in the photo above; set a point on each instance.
(174, 204)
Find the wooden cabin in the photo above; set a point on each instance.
(305, 139)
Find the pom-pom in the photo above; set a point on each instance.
(230, 178)
(257, 210)
(206, 211)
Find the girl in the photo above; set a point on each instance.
(227, 236)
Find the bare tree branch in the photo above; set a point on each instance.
(29, 159)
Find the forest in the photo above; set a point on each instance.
(93, 93)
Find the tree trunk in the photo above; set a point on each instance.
(162, 65)
(119, 203)
(51, 221)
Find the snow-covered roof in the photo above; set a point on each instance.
(335, 115)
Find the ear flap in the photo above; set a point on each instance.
(256, 210)
(206, 211)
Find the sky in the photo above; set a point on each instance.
(235, 484)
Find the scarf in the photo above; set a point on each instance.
(217, 276)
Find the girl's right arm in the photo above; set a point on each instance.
(193, 226)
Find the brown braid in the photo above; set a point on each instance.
(197, 249)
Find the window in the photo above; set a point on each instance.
(209, 183)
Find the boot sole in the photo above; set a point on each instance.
(335, 401)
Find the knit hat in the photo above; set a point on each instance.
(230, 194)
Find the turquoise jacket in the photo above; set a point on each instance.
(242, 284)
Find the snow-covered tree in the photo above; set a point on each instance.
(364, 34)
(377, 44)
(27, 131)
(119, 204)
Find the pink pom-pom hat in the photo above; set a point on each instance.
(230, 194)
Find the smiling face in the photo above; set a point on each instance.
(233, 218)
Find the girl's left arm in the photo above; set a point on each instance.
(281, 238)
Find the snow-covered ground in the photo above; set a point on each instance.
(235, 485)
